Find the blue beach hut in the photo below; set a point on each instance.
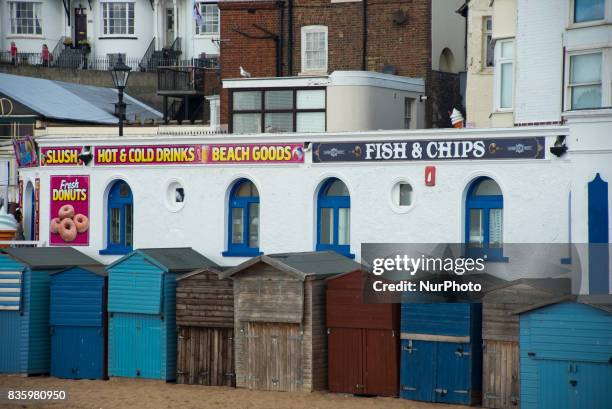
(24, 304)
(441, 352)
(78, 323)
(142, 311)
(566, 353)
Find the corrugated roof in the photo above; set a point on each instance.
(178, 259)
(41, 258)
(70, 102)
(554, 286)
(314, 263)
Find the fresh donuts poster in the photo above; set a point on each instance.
(69, 224)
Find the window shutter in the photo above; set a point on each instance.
(10, 290)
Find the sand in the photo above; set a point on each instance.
(138, 393)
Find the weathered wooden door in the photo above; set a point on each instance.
(345, 363)
(501, 375)
(205, 356)
(274, 356)
(381, 362)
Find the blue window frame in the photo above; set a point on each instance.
(120, 220)
(243, 220)
(334, 217)
(484, 220)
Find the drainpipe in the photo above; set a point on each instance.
(364, 62)
(281, 18)
(290, 39)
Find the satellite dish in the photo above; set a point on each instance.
(389, 69)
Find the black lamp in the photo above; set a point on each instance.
(120, 73)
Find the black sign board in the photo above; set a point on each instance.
(429, 150)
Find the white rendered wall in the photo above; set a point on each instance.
(539, 60)
(535, 198)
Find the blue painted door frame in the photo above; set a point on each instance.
(598, 220)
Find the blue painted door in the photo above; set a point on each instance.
(136, 349)
(453, 373)
(574, 385)
(77, 352)
(91, 353)
(435, 371)
(418, 370)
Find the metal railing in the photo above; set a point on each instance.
(77, 59)
(180, 78)
(146, 58)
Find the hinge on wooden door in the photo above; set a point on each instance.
(409, 349)
(408, 388)
(329, 332)
(461, 391)
(460, 353)
(295, 337)
(489, 396)
(441, 391)
(229, 374)
(275, 380)
(251, 336)
(182, 372)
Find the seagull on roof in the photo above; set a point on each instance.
(244, 73)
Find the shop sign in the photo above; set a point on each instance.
(198, 154)
(60, 156)
(25, 152)
(69, 211)
(429, 150)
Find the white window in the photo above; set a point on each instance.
(585, 81)
(118, 18)
(26, 18)
(408, 104)
(210, 19)
(589, 10)
(487, 42)
(504, 74)
(314, 49)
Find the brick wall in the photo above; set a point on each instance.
(407, 47)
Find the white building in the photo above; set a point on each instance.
(232, 197)
(128, 27)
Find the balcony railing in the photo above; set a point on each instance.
(185, 80)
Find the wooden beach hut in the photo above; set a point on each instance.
(205, 320)
(566, 353)
(24, 304)
(279, 310)
(363, 339)
(142, 311)
(78, 323)
(500, 335)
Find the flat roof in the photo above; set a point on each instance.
(337, 78)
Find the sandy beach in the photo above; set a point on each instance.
(137, 393)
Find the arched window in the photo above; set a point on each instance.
(334, 217)
(484, 219)
(120, 228)
(447, 61)
(243, 220)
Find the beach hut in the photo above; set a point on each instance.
(78, 323)
(566, 353)
(500, 334)
(363, 339)
(24, 304)
(441, 352)
(142, 311)
(205, 320)
(279, 310)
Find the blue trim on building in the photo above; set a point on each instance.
(486, 203)
(240, 249)
(116, 201)
(335, 203)
(599, 251)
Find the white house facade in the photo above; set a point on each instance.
(130, 27)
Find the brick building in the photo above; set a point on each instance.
(414, 38)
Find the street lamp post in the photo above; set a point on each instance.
(120, 73)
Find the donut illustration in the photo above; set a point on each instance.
(66, 212)
(67, 230)
(81, 222)
(55, 223)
